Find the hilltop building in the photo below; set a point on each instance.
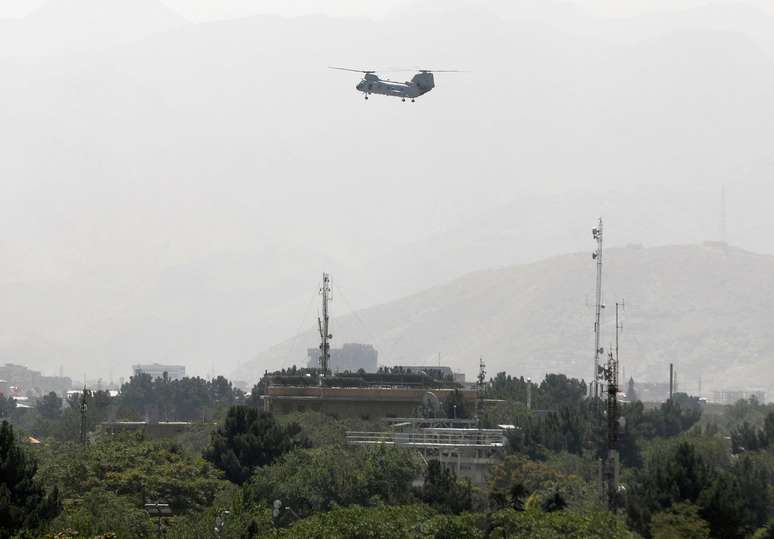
(156, 370)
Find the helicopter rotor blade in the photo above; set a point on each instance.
(366, 71)
(442, 71)
(420, 70)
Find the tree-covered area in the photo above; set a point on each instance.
(687, 469)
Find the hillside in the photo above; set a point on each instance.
(704, 308)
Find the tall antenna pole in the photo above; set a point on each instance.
(83, 409)
(322, 323)
(481, 378)
(611, 464)
(594, 390)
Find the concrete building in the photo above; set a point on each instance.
(29, 382)
(730, 396)
(364, 402)
(350, 357)
(156, 370)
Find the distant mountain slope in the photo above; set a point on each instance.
(705, 308)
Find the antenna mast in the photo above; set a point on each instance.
(594, 390)
(83, 407)
(611, 466)
(322, 323)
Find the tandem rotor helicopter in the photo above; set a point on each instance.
(419, 85)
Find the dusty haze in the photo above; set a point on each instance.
(177, 175)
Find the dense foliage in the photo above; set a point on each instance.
(24, 503)
(688, 470)
(186, 399)
(318, 479)
(249, 439)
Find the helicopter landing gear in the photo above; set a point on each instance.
(413, 100)
(366, 97)
(403, 99)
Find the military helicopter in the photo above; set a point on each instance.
(419, 85)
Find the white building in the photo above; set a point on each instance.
(174, 372)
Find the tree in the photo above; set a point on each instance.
(681, 521)
(50, 406)
(557, 525)
(24, 504)
(135, 470)
(249, 439)
(7, 405)
(102, 512)
(319, 479)
(442, 490)
(554, 502)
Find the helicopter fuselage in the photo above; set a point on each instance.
(419, 85)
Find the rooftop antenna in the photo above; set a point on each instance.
(481, 374)
(594, 389)
(322, 323)
(481, 378)
(610, 470)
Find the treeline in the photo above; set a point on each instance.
(250, 474)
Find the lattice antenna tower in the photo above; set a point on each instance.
(323, 323)
(83, 408)
(594, 390)
(611, 466)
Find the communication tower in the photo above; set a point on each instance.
(322, 323)
(611, 466)
(594, 388)
(83, 408)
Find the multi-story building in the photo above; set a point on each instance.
(350, 357)
(156, 370)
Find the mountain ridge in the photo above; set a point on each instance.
(535, 318)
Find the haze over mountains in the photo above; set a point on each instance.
(706, 308)
(172, 191)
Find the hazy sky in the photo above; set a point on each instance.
(202, 10)
(173, 192)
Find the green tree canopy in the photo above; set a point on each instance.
(24, 504)
(250, 439)
(318, 479)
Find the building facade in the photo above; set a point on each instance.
(156, 370)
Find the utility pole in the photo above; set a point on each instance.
(594, 389)
(322, 323)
